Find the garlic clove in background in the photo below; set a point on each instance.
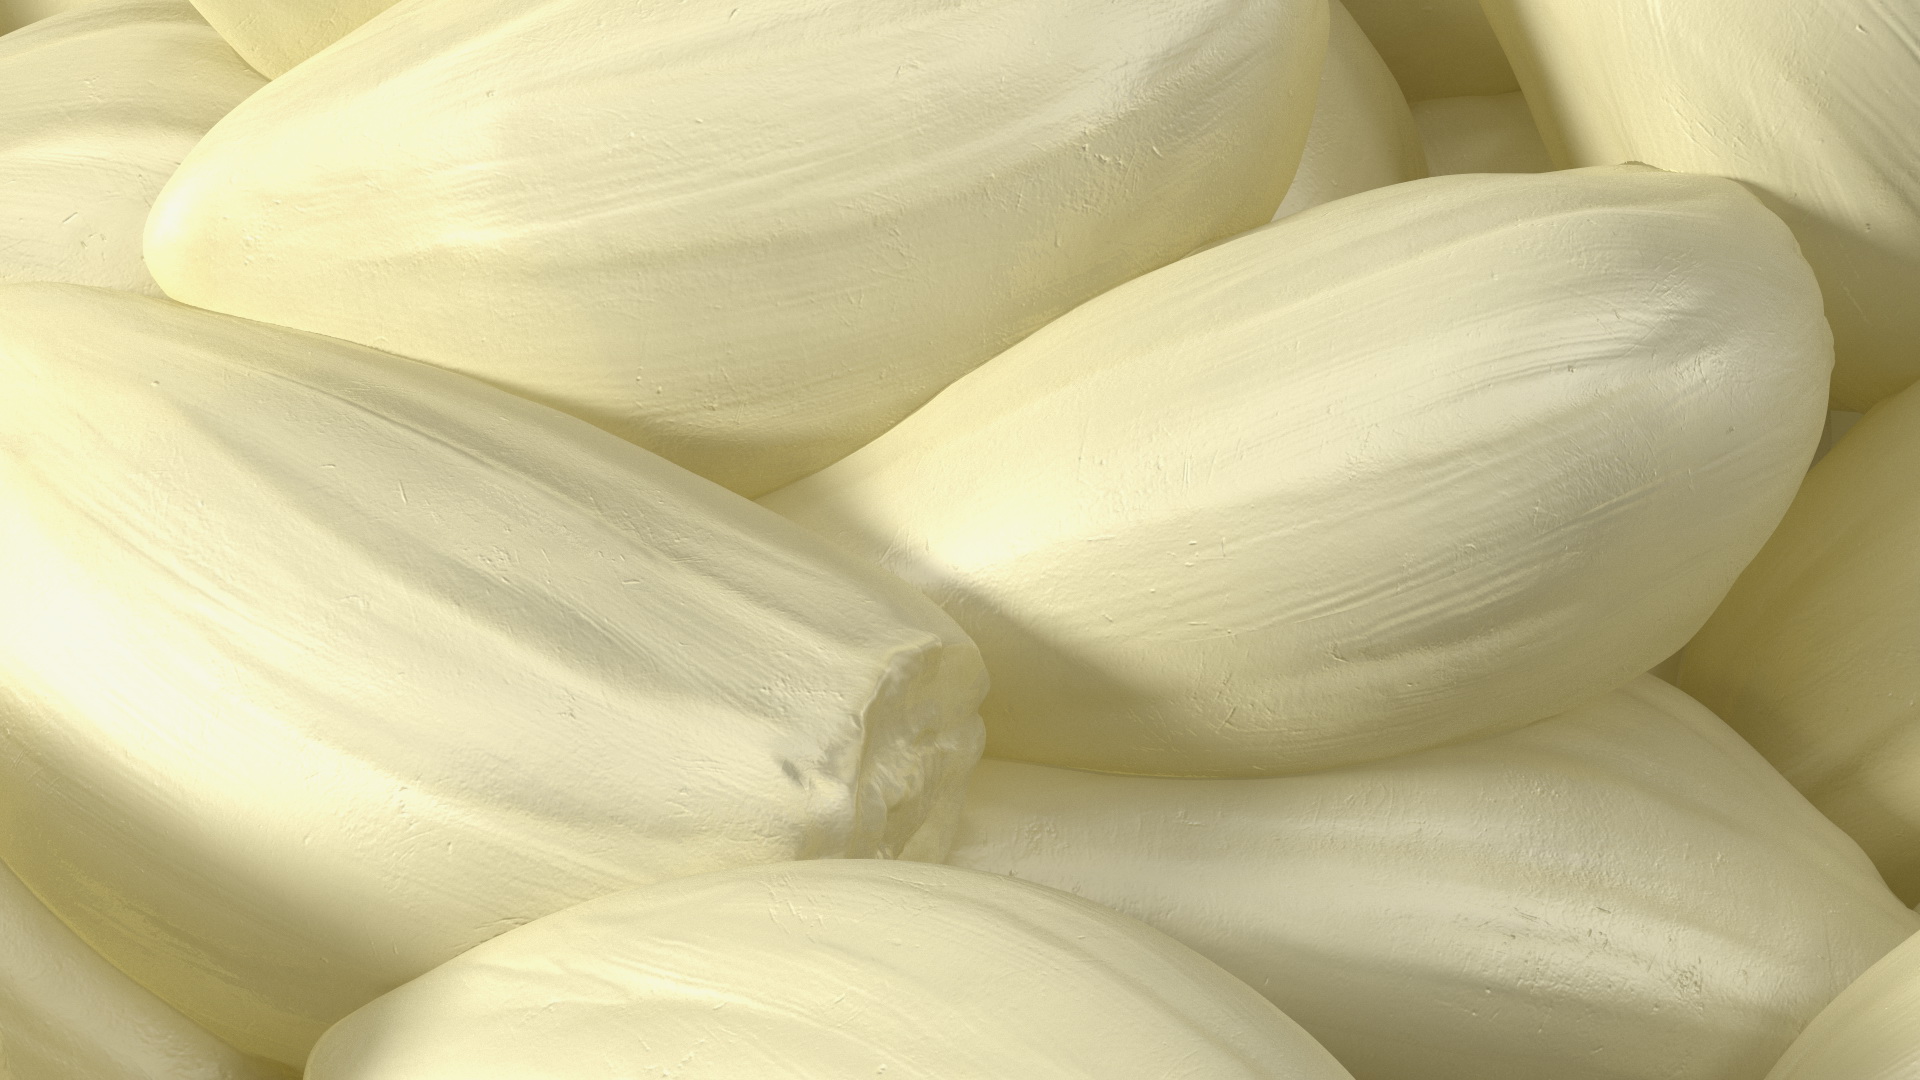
(1362, 135)
(274, 35)
(97, 107)
(1811, 105)
(1623, 892)
(1432, 462)
(1870, 1032)
(15, 14)
(66, 1014)
(749, 238)
(320, 667)
(1478, 134)
(826, 970)
(1436, 48)
(1815, 655)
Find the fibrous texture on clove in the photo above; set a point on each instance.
(320, 667)
(67, 1014)
(1870, 1032)
(274, 35)
(1475, 134)
(1436, 48)
(1623, 892)
(1815, 655)
(827, 970)
(1433, 461)
(749, 238)
(97, 107)
(1362, 135)
(1811, 105)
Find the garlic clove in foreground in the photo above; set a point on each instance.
(1815, 655)
(1432, 462)
(97, 107)
(321, 667)
(1870, 1032)
(747, 237)
(1362, 136)
(1436, 48)
(1623, 892)
(67, 1014)
(1812, 105)
(274, 35)
(1478, 134)
(826, 970)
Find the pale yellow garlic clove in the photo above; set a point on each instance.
(747, 237)
(1436, 48)
(1362, 135)
(97, 107)
(320, 667)
(1812, 105)
(1480, 134)
(66, 1014)
(1870, 1032)
(827, 970)
(15, 14)
(1434, 461)
(1623, 892)
(1815, 656)
(274, 35)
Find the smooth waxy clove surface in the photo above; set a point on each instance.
(67, 1014)
(1870, 1032)
(1811, 105)
(747, 237)
(1430, 462)
(321, 666)
(97, 107)
(1624, 892)
(274, 35)
(827, 970)
(1362, 135)
(1815, 656)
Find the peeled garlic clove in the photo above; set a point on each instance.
(1870, 1032)
(1433, 462)
(1480, 134)
(1362, 135)
(17, 13)
(747, 237)
(1811, 105)
(274, 35)
(97, 107)
(1815, 656)
(320, 667)
(1436, 48)
(1626, 891)
(830, 970)
(66, 1014)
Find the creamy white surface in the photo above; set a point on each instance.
(827, 971)
(747, 237)
(1623, 892)
(1812, 105)
(1870, 1032)
(15, 14)
(1475, 134)
(1362, 135)
(1436, 48)
(97, 107)
(321, 667)
(274, 35)
(1433, 461)
(67, 1014)
(1815, 656)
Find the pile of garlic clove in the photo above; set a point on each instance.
(1262, 539)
